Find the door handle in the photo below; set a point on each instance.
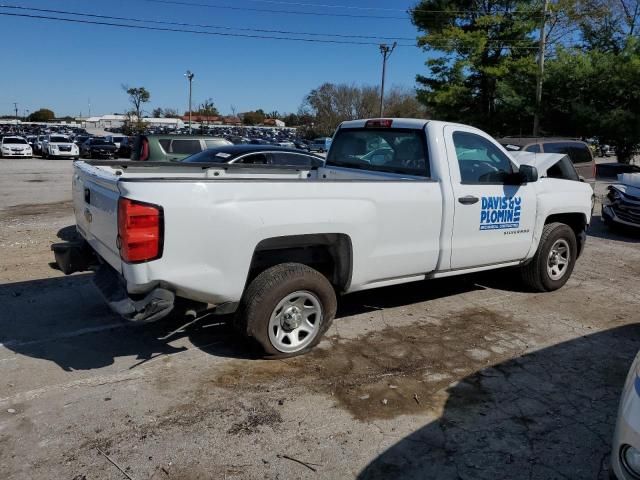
(468, 200)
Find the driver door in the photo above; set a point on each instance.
(493, 221)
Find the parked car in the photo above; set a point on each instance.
(276, 245)
(171, 148)
(11, 147)
(625, 454)
(57, 146)
(320, 145)
(80, 139)
(96, 147)
(621, 206)
(37, 144)
(578, 151)
(257, 155)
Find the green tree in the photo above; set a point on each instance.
(42, 115)
(596, 93)
(207, 108)
(483, 46)
(157, 113)
(253, 118)
(137, 96)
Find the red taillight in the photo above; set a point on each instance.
(140, 228)
(144, 150)
(379, 123)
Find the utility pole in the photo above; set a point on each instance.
(541, 49)
(189, 76)
(15, 106)
(386, 52)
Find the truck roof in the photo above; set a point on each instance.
(414, 123)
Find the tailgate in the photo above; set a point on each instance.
(95, 202)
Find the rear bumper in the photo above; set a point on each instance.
(78, 256)
(156, 304)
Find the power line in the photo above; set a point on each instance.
(328, 14)
(264, 10)
(180, 24)
(198, 32)
(504, 44)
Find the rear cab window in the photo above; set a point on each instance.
(394, 150)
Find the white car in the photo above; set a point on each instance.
(14, 147)
(397, 201)
(625, 455)
(59, 146)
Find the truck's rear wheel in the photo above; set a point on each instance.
(287, 309)
(553, 263)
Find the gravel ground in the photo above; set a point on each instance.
(468, 378)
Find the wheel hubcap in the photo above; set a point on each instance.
(295, 322)
(559, 258)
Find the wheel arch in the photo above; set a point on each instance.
(329, 253)
(578, 223)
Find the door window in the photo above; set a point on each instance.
(255, 159)
(284, 158)
(186, 146)
(480, 161)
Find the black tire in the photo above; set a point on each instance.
(272, 286)
(535, 273)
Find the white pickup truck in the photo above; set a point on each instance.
(398, 200)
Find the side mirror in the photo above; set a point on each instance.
(528, 174)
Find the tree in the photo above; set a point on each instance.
(137, 96)
(207, 108)
(171, 113)
(157, 113)
(331, 104)
(42, 115)
(484, 45)
(253, 118)
(596, 93)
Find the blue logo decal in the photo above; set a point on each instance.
(500, 213)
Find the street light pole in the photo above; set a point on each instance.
(540, 76)
(189, 76)
(386, 52)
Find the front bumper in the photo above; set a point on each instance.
(610, 214)
(627, 430)
(23, 154)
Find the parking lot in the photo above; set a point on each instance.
(470, 377)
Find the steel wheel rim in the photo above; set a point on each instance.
(295, 322)
(558, 259)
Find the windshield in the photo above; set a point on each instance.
(383, 150)
(15, 141)
(59, 140)
(208, 156)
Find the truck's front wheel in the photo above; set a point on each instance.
(287, 309)
(553, 263)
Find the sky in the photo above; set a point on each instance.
(67, 66)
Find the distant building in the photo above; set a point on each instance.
(117, 121)
(273, 122)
